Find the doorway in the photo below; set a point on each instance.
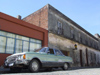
(87, 63)
(81, 61)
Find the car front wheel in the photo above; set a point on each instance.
(34, 66)
(65, 66)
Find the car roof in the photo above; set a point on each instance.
(51, 48)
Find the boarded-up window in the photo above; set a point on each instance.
(72, 34)
(59, 27)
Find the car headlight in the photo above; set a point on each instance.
(20, 57)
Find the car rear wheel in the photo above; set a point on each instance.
(34, 66)
(65, 66)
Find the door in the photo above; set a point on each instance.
(87, 57)
(51, 58)
(81, 62)
(60, 58)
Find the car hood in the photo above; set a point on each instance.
(16, 54)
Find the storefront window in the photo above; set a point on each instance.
(11, 35)
(25, 46)
(32, 47)
(2, 44)
(38, 41)
(32, 40)
(10, 45)
(25, 38)
(3, 33)
(13, 43)
(38, 46)
(22, 37)
(18, 46)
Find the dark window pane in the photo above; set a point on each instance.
(51, 51)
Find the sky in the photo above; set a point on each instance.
(85, 13)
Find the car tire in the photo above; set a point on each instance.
(34, 66)
(65, 66)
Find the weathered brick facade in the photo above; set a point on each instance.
(39, 18)
(88, 46)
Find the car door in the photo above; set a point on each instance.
(51, 58)
(60, 57)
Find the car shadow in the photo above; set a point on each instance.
(7, 71)
(27, 71)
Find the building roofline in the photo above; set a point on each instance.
(21, 22)
(69, 20)
(48, 6)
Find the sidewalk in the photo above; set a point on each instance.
(75, 68)
(3, 70)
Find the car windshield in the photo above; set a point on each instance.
(58, 52)
(37, 50)
(43, 50)
(40, 50)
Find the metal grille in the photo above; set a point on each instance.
(11, 59)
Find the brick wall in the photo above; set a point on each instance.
(2, 58)
(39, 18)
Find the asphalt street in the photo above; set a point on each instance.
(82, 71)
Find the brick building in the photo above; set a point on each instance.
(19, 36)
(65, 34)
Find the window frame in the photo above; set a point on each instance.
(60, 28)
(38, 42)
(61, 54)
(48, 50)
